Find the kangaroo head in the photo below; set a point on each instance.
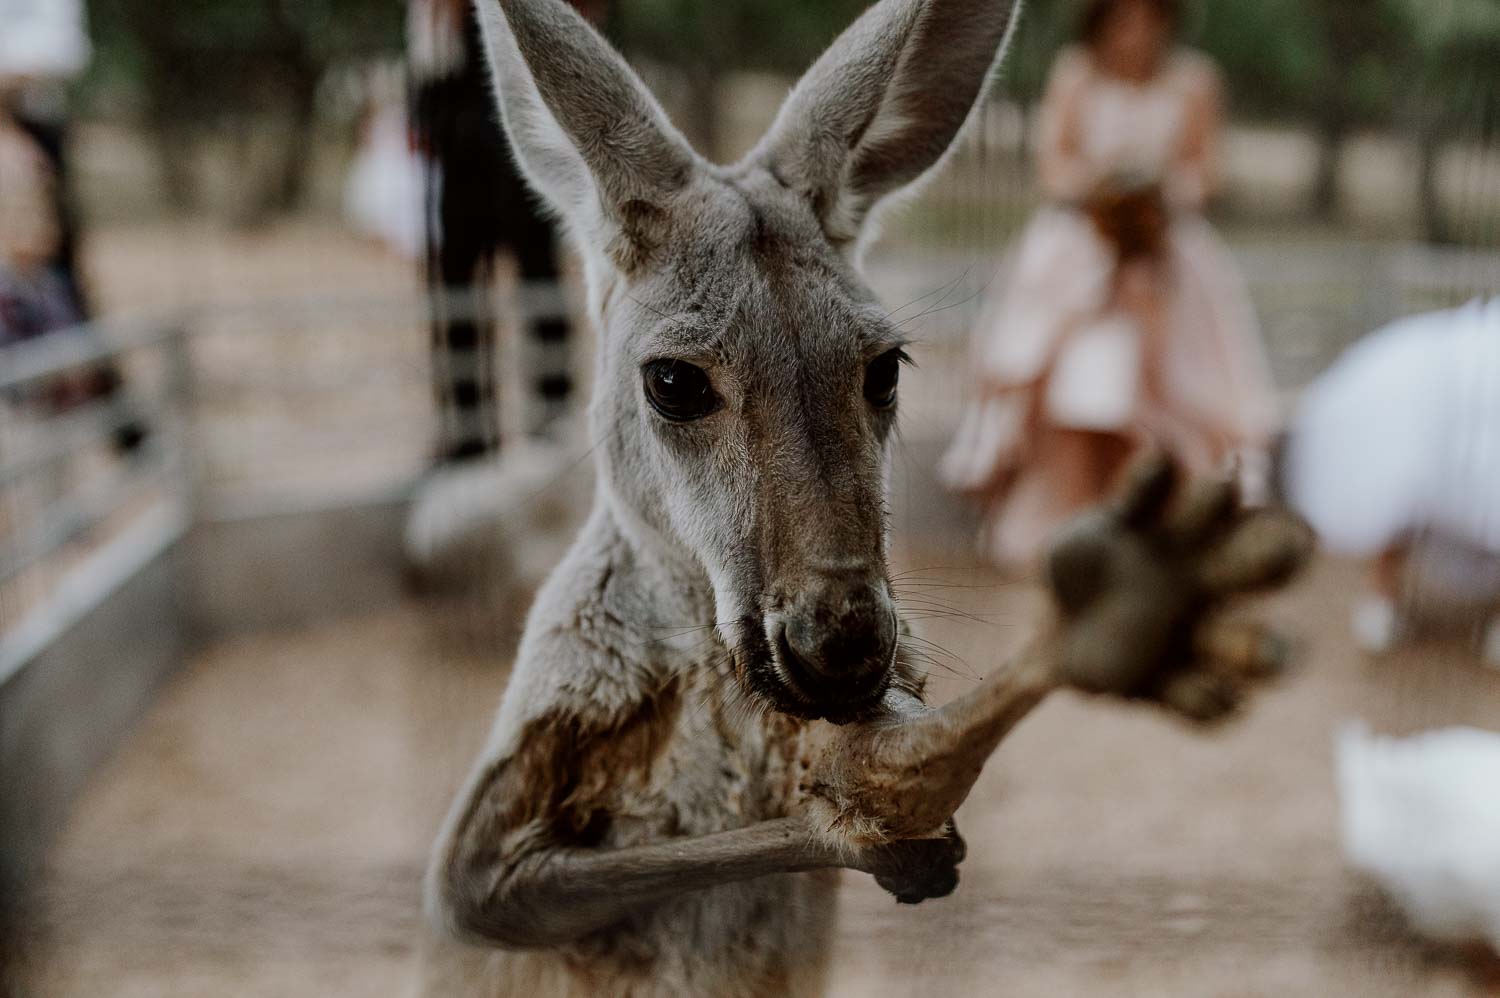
(746, 390)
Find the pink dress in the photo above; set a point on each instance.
(1058, 349)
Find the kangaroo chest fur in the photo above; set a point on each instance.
(715, 771)
(623, 727)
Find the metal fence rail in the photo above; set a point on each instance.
(65, 482)
(263, 405)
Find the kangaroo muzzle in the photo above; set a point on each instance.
(834, 638)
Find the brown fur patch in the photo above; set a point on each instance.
(557, 788)
(643, 228)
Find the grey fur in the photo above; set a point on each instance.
(659, 809)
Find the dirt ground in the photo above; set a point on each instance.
(263, 831)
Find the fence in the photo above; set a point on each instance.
(66, 481)
(283, 439)
(1312, 300)
(327, 401)
(249, 411)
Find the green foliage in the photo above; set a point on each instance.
(781, 35)
(245, 70)
(1044, 29)
(1270, 52)
(1458, 52)
(1282, 58)
(220, 56)
(1442, 24)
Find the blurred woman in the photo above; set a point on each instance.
(1123, 322)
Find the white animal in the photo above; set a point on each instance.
(1422, 816)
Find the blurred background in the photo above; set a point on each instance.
(279, 467)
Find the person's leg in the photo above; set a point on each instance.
(549, 364)
(463, 339)
(1489, 642)
(1112, 453)
(1389, 569)
(1065, 472)
(1376, 617)
(457, 127)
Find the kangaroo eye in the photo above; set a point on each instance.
(882, 377)
(678, 390)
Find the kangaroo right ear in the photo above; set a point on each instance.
(583, 128)
(883, 106)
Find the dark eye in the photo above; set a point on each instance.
(678, 390)
(882, 377)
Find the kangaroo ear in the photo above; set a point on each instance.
(583, 128)
(883, 105)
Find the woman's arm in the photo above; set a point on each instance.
(1193, 177)
(1062, 172)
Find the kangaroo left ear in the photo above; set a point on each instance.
(883, 106)
(583, 128)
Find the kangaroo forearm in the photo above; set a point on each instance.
(975, 723)
(562, 895)
(980, 719)
(905, 775)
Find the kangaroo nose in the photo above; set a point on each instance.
(838, 640)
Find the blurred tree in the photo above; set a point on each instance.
(706, 39)
(1457, 95)
(1334, 63)
(1340, 65)
(236, 67)
(1363, 43)
(232, 66)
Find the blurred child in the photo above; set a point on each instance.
(44, 44)
(34, 298)
(1394, 456)
(1123, 321)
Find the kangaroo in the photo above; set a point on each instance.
(664, 811)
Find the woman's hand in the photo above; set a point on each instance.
(1130, 214)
